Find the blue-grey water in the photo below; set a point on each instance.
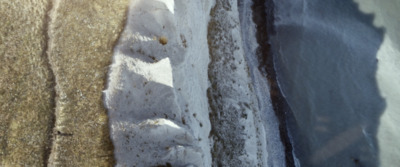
(338, 65)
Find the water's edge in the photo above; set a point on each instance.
(265, 28)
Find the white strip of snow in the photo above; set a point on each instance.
(156, 92)
(158, 83)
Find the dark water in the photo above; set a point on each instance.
(326, 62)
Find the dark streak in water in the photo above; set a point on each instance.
(263, 17)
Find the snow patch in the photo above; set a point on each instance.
(156, 93)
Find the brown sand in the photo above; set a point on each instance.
(54, 62)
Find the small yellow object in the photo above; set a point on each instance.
(163, 40)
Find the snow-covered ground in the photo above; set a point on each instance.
(180, 91)
(237, 130)
(156, 93)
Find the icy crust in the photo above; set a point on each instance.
(237, 132)
(156, 95)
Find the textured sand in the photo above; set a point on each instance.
(72, 40)
(26, 84)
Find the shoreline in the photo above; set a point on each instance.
(281, 108)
